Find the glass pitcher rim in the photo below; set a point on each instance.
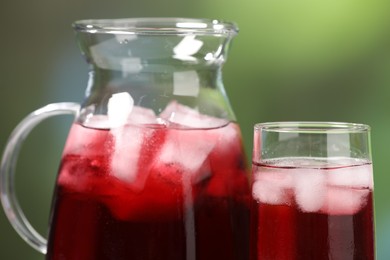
(157, 26)
(312, 127)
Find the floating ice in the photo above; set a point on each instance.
(127, 149)
(269, 194)
(126, 115)
(228, 138)
(348, 189)
(329, 190)
(97, 121)
(188, 148)
(354, 176)
(119, 107)
(186, 116)
(344, 201)
(310, 189)
(141, 115)
(128, 141)
(272, 186)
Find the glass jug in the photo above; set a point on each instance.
(153, 166)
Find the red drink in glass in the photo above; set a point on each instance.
(319, 212)
(151, 192)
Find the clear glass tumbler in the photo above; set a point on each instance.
(312, 191)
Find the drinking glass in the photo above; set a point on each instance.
(312, 191)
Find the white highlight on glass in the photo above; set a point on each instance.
(186, 83)
(125, 38)
(130, 66)
(338, 145)
(187, 47)
(218, 26)
(209, 56)
(192, 25)
(287, 136)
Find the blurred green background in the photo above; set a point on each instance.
(292, 60)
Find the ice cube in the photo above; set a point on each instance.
(229, 138)
(128, 142)
(355, 176)
(227, 160)
(189, 149)
(344, 200)
(127, 146)
(141, 115)
(272, 187)
(97, 121)
(186, 116)
(269, 194)
(310, 188)
(119, 107)
(191, 139)
(134, 115)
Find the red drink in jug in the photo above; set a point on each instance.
(305, 212)
(151, 191)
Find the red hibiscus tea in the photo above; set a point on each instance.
(312, 192)
(151, 191)
(306, 208)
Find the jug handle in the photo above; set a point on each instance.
(9, 201)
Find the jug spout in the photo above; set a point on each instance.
(157, 60)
